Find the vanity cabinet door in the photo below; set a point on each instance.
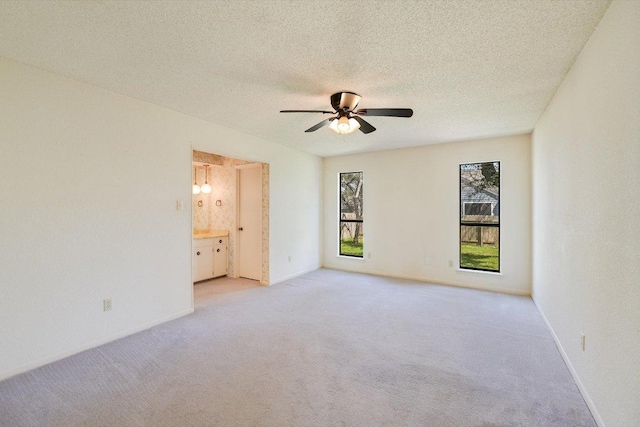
(220, 257)
(202, 263)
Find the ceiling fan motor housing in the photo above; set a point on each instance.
(345, 101)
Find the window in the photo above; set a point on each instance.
(351, 222)
(480, 216)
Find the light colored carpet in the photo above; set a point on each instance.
(222, 285)
(326, 349)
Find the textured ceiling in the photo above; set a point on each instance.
(468, 69)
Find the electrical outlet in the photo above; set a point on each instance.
(106, 304)
(179, 205)
(450, 264)
(426, 261)
(289, 258)
(583, 341)
(368, 254)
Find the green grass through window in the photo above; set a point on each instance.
(474, 256)
(347, 247)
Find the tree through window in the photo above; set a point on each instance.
(351, 220)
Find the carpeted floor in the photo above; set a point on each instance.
(202, 291)
(326, 349)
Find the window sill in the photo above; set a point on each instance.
(490, 273)
(353, 258)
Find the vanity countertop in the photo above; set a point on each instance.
(209, 234)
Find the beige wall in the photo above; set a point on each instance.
(101, 219)
(586, 188)
(411, 212)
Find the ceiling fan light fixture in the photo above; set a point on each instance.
(344, 125)
(348, 119)
(355, 125)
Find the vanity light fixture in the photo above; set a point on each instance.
(196, 188)
(206, 188)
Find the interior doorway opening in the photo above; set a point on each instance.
(230, 218)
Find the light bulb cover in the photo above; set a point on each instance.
(344, 125)
(206, 188)
(196, 189)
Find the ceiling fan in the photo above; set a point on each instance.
(347, 118)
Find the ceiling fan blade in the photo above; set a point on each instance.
(319, 125)
(307, 111)
(365, 127)
(388, 112)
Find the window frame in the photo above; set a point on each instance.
(460, 224)
(340, 220)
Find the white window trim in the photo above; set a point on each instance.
(472, 271)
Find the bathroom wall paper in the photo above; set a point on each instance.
(201, 214)
(207, 158)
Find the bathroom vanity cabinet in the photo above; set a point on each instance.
(209, 257)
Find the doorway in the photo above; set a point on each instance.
(234, 183)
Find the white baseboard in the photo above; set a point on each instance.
(435, 281)
(53, 358)
(291, 276)
(574, 374)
